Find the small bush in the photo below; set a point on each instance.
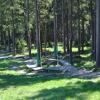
(21, 45)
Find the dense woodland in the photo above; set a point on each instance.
(49, 49)
(29, 24)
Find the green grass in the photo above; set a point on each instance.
(6, 64)
(14, 86)
(86, 60)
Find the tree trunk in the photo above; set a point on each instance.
(27, 27)
(79, 34)
(63, 28)
(98, 33)
(92, 28)
(83, 35)
(13, 32)
(67, 27)
(55, 30)
(38, 41)
(71, 32)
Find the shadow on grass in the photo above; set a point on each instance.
(6, 64)
(77, 92)
(8, 80)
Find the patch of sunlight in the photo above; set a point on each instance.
(86, 55)
(60, 48)
(88, 63)
(75, 49)
(93, 95)
(34, 51)
(87, 48)
(50, 49)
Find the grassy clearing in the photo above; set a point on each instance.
(14, 86)
(86, 60)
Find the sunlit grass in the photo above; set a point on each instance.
(14, 86)
(74, 89)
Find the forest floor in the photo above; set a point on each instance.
(19, 83)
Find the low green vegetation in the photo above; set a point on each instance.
(49, 29)
(15, 86)
(85, 60)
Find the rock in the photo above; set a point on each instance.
(14, 68)
(66, 67)
(31, 64)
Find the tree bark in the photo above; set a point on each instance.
(79, 34)
(55, 30)
(13, 25)
(98, 33)
(27, 27)
(71, 32)
(63, 28)
(38, 41)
